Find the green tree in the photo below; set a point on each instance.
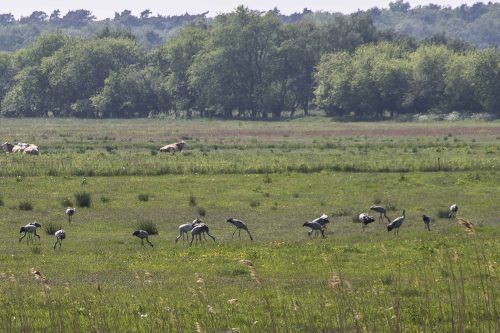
(130, 92)
(427, 91)
(27, 98)
(78, 70)
(486, 79)
(6, 73)
(173, 61)
(459, 86)
(238, 59)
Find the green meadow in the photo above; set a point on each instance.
(273, 176)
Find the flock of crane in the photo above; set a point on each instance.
(198, 229)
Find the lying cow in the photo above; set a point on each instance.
(21, 147)
(178, 146)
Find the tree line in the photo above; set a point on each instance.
(478, 24)
(249, 64)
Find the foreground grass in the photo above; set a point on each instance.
(273, 176)
(102, 280)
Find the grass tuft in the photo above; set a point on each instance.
(83, 199)
(202, 211)
(193, 202)
(442, 213)
(148, 225)
(51, 228)
(25, 205)
(143, 197)
(254, 203)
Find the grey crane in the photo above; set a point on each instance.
(427, 221)
(315, 226)
(381, 210)
(323, 220)
(396, 223)
(239, 226)
(198, 230)
(142, 234)
(185, 228)
(452, 211)
(30, 229)
(365, 219)
(70, 211)
(60, 235)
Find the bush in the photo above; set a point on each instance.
(268, 179)
(51, 228)
(202, 211)
(25, 205)
(1, 201)
(442, 214)
(254, 203)
(104, 199)
(83, 199)
(143, 197)
(148, 226)
(192, 201)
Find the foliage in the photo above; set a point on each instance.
(148, 225)
(25, 205)
(51, 228)
(248, 64)
(143, 197)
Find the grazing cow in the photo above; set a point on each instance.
(7, 147)
(31, 150)
(173, 147)
(20, 147)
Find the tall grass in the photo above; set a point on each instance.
(83, 199)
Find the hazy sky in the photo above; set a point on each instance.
(106, 8)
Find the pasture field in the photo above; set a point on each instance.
(272, 175)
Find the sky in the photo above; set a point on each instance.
(106, 8)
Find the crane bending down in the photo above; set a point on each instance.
(396, 223)
(239, 226)
(60, 235)
(365, 219)
(30, 229)
(70, 211)
(142, 234)
(452, 212)
(382, 211)
(323, 220)
(185, 228)
(314, 226)
(427, 221)
(198, 230)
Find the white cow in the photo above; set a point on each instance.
(178, 146)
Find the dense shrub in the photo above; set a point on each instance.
(148, 225)
(25, 205)
(83, 199)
